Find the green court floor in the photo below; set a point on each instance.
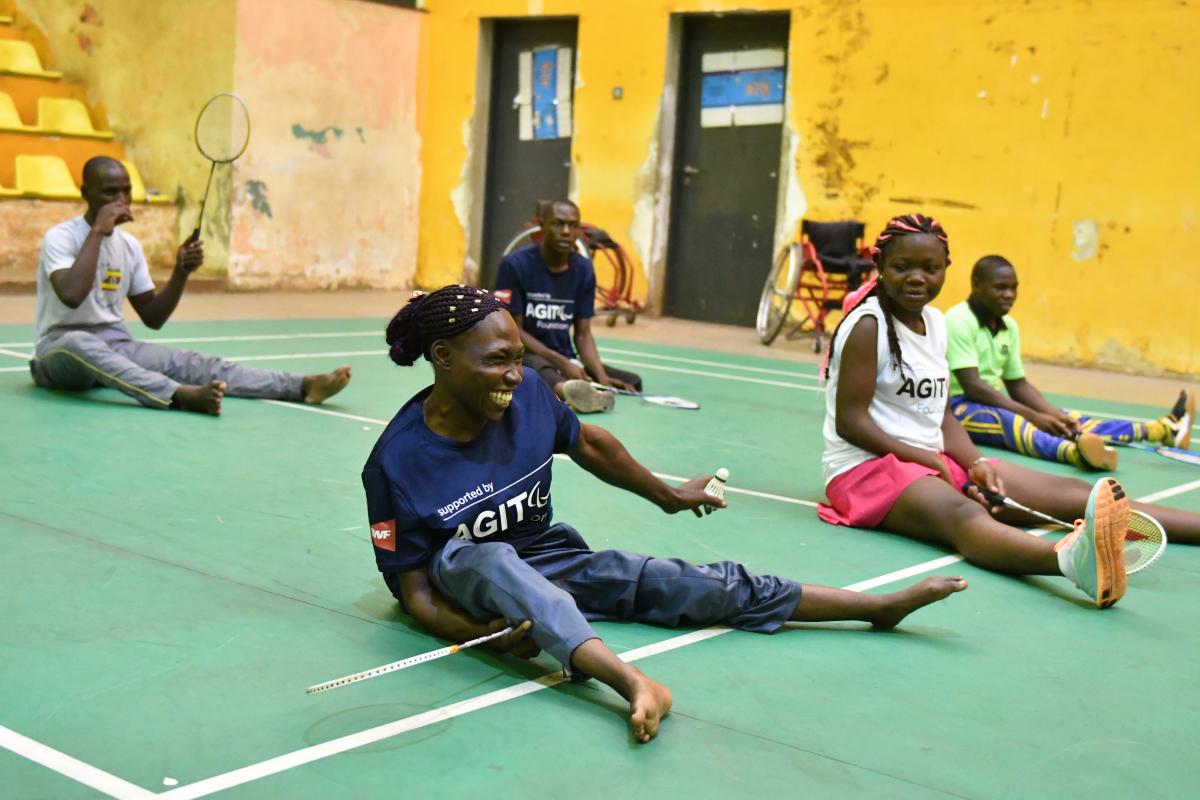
(171, 583)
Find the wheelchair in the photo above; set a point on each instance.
(612, 301)
(828, 262)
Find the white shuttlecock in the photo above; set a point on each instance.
(716, 486)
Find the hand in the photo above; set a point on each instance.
(515, 643)
(573, 371)
(1052, 424)
(189, 256)
(617, 383)
(1066, 419)
(110, 216)
(984, 474)
(691, 496)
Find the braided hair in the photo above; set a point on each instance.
(897, 227)
(442, 314)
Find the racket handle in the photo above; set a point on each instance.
(195, 237)
(993, 498)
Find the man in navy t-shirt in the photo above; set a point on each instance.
(550, 290)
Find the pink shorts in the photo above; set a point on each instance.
(863, 496)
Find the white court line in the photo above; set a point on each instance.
(102, 781)
(14, 369)
(702, 363)
(262, 337)
(740, 378)
(661, 475)
(289, 356)
(73, 768)
(15, 354)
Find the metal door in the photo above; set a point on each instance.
(727, 157)
(529, 130)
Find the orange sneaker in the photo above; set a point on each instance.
(1093, 555)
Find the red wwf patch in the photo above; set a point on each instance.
(504, 296)
(383, 535)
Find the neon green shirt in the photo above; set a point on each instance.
(969, 344)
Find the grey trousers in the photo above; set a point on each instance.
(75, 360)
(559, 584)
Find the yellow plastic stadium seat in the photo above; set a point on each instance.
(5, 19)
(138, 186)
(45, 176)
(66, 116)
(10, 120)
(19, 57)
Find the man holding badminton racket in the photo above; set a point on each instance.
(551, 291)
(88, 267)
(459, 501)
(999, 407)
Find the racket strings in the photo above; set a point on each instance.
(1145, 540)
(223, 128)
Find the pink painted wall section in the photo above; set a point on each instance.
(327, 193)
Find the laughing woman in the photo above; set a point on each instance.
(458, 494)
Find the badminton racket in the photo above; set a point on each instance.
(669, 401)
(1174, 453)
(1145, 538)
(222, 133)
(404, 663)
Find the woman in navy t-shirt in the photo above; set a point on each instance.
(458, 493)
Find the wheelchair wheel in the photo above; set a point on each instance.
(778, 293)
(520, 240)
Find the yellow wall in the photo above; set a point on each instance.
(1012, 123)
(294, 211)
(140, 61)
(326, 194)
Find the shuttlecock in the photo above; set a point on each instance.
(716, 486)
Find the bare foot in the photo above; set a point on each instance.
(206, 399)
(650, 704)
(319, 388)
(898, 605)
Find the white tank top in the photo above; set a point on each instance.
(908, 405)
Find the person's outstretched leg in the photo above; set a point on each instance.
(1066, 498)
(617, 584)
(998, 427)
(1174, 429)
(489, 579)
(77, 360)
(884, 611)
(191, 367)
(1092, 556)
(649, 700)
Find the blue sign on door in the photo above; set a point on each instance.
(545, 93)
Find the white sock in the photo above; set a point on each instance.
(1064, 562)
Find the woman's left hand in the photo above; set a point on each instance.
(984, 474)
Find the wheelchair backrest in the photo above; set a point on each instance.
(834, 239)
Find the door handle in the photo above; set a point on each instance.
(689, 170)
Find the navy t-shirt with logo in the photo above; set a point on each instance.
(422, 488)
(550, 301)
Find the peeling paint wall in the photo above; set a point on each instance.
(1058, 133)
(139, 62)
(326, 195)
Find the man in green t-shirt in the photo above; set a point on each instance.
(991, 397)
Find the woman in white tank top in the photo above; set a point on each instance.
(896, 459)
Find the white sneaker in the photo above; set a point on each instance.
(585, 398)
